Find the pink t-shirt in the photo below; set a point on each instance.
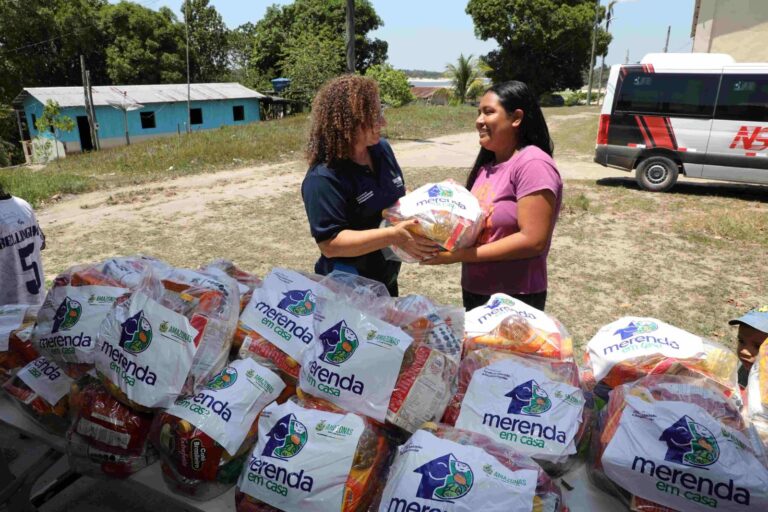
(498, 188)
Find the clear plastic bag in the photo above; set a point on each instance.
(534, 405)
(458, 466)
(678, 442)
(16, 348)
(343, 455)
(392, 360)
(632, 347)
(106, 438)
(447, 213)
(204, 439)
(757, 394)
(246, 281)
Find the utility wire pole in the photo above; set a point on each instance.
(189, 108)
(626, 59)
(666, 45)
(88, 109)
(95, 126)
(350, 36)
(592, 55)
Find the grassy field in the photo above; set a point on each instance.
(232, 147)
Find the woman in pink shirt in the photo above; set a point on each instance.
(520, 190)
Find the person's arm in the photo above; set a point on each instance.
(535, 214)
(350, 243)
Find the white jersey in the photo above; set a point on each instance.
(21, 269)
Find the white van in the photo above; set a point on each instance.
(697, 114)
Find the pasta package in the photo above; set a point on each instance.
(308, 458)
(632, 347)
(400, 372)
(443, 468)
(678, 442)
(276, 326)
(447, 213)
(204, 439)
(510, 325)
(532, 405)
(16, 349)
(106, 437)
(41, 390)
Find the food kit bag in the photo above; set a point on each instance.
(205, 438)
(757, 394)
(16, 349)
(312, 460)
(167, 337)
(69, 320)
(246, 282)
(510, 325)
(366, 364)
(632, 347)
(276, 326)
(532, 405)
(41, 390)
(106, 437)
(447, 213)
(678, 442)
(447, 469)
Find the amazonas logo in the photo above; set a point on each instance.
(298, 302)
(286, 438)
(529, 399)
(635, 328)
(690, 443)
(444, 479)
(438, 191)
(222, 380)
(339, 344)
(67, 315)
(136, 334)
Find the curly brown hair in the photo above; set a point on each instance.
(342, 106)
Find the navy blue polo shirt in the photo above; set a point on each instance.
(345, 195)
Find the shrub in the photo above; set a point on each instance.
(393, 84)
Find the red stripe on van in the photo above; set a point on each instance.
(671, 131)
(640, 125)
(650, 68)
(657, 127)
(751, 154)
(682, 149)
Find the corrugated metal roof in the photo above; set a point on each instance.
(104, 95)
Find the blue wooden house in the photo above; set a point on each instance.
(138, 112)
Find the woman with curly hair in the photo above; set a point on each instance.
(353, 175)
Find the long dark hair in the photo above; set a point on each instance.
(533, 130)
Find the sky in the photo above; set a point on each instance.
(428, 34)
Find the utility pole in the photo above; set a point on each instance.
(592, 55)
(350, 36)
(87, 96)
(666, 45)
(95, 125)
(189, 108)
(626, 59)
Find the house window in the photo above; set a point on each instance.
(238, 113)
(196, 116)
(147, 120)
(34, 121)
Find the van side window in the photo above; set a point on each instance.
(743, 98)
(669, 94)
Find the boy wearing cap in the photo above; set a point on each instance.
(753, 332)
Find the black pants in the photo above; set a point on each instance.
(473, 300)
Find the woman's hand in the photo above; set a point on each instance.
(445, 258)
(418, 246)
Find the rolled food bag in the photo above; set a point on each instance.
(447, 213)
(204, 439)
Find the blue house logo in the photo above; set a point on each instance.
(339, 344)
(438, 191)
(444, 479)
(528, 399)
(136, 334)
(635, 328)
(690, 444)
(67, 315)
(286, 439)
(298, 302)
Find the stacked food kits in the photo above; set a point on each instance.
(446, 212)
(679, 442)
(441, 468)
(16, 349)
(310, 458)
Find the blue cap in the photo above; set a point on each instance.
(756, 318)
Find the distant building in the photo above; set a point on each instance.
(736, 27)
(143, 111)
(431, 95)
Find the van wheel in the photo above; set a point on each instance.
(657, 174)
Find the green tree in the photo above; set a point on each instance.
(310, 61)
(545, 43)
(393, 84)
(145, 46)
(281, 26)
(52, 119)
(208, 41)
(240, 46)
(464, 75)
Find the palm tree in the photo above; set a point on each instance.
(463, 75)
